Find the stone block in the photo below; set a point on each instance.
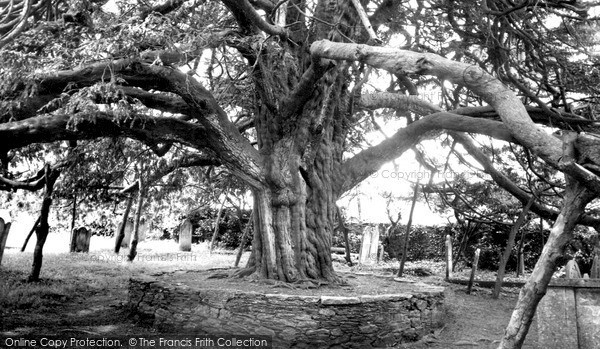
(327, 312)
(588, 318)
(368, 328)
(331, 300)
(319, 334)
(557, 325)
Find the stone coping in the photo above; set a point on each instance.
(299, 321)
(575, 283)
(423, 290)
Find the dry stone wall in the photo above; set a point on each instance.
(293, 321)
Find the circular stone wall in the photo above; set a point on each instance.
(293, 321)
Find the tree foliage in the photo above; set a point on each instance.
(281, 93)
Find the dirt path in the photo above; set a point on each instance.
(474, 320)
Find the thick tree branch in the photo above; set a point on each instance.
(421, 106)
(512, 112)
(248, 18)
(159, 101)
(184, 162)
(34, 183)
(413, 103)
(504, 182)
(305, 88)
(365, 163)
(51, 128)
(225, 140)
(219, 133)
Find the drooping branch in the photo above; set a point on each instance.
(423, 107)
(225, 140)
(51, 128)
(217, 132)
(159, 101)
(365, 163)
(184, 162)
(501, 98)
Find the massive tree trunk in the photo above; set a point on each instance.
(576, 198)
(294, 215)
(300, 135)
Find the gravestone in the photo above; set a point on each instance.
(567, 316)
(572, 270)
(595, 271)
(185, 236)
(128, 230)
(369, 246)
(4, 229)
(81, 240)
(143, 229)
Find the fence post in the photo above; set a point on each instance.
(448, 257)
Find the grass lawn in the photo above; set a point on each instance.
(85, 294)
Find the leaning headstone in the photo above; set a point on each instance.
(557, 320)
(143, 229)
(185, 236)
(81, 237)
(369, 246)
(128, 231)
(4, 229)
(572, 270)
(448, 257)
(595, 272)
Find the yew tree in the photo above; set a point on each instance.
(280, 93)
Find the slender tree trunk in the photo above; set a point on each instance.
(216, 228)
(73, 217)
(121, 232)
(520, 254)
(4, 230)
(408, 228)
(473, 270)
(542, 231)
(35, 225)
(344, 228)
(244, 239)
(44, 228)
(509, 245)
(575, 200)
(74, 211)
(136, 222)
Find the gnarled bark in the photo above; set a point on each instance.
(577, 196)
